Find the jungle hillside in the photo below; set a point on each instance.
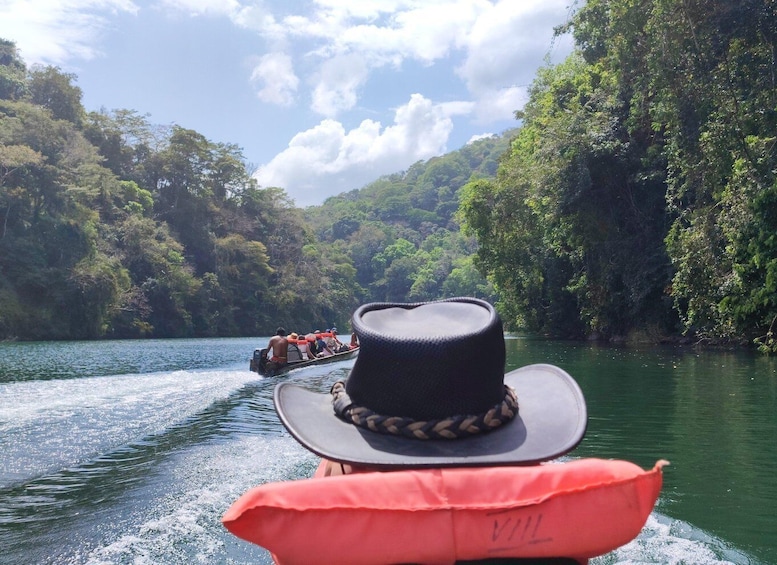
(636, 199)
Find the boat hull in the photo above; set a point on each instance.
(260, 364)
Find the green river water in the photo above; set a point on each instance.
(129, 452)
(712, 414)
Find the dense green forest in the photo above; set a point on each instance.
(636, 199)
(639, 197)
(111, 226)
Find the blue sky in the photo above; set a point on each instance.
(323, 96)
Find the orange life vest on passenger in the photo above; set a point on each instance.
(578, 510)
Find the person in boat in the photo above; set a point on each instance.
(312, 345)
(321, 346)
(452, 358)
(294, 353)
(330, 340)
(428, 393)
(302, 345)
(354, 340)
(277, 348)
(334, 344)
(452, 355)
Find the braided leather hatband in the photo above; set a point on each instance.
(448, 428)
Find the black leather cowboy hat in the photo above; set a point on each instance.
(435, 370)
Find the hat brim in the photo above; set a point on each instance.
(551, 421)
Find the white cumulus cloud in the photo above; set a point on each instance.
(204, 7)
(501, 43)
(498, 104)
(348, 60)
(54, 31)
(275, 75)
(327, 160)
(504, 48)
(337, 84)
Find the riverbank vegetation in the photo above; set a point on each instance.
(111, 226)
(636, 199)
(640, 192)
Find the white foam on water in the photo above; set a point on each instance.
(50, 425)
(184, 526)
(672, 542)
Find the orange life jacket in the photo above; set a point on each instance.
(578, 510)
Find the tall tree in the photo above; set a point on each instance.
(53, 89)
(716, 95)
(13, 85)
(572, 231)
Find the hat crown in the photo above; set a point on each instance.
(429, 360)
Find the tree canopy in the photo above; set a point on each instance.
(111, 226)
(635, 199)
(638, 195)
